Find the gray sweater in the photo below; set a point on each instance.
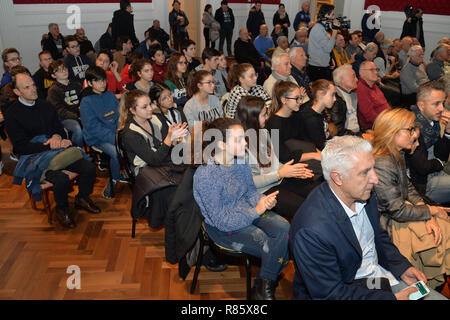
(411, 77)
(320, 46)
(194, 111)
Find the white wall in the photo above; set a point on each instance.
(435, 26)
(22, 26)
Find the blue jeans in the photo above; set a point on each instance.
(433, 295)
(74, 127)
(265, 238)
(438, 187)
(114, 164)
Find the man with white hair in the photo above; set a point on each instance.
(282, 45)
(281, 70)
(435, 69)
(403, 54)
(369, 54)
(344, 111)
(302, 16)
(413, 74)
(340, 250)
(298, 62)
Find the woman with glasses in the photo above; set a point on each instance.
(409, 220)
(176, 78)
(312, 116)
(203, 105)
(165, 113)
(287, 98)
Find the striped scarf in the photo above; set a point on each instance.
(430, 133)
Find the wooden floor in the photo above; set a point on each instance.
(34, 256)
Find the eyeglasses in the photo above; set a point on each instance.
(372, 69)
(298, 99)
(207, 82)
(15, 59)
(411, 130)
(182, 62)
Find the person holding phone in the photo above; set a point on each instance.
(236, 215)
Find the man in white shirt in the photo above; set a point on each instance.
(340, 251)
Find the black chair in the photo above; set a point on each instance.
(218, 249)
(125, 163)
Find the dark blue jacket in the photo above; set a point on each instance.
(327, 253)
(143, 49)
(99, 116)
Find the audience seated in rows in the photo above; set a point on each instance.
(142, 71)
(298, 60)
(263, 42)
(123, 47)
(159, 63)
(436, 68)
(42, 77)
(76, 63)
(413, 74)
(210, 59)
(281, 70)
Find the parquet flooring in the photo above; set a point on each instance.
(34, 256)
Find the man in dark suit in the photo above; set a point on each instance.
(339, 249)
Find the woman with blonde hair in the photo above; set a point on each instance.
(419, 230)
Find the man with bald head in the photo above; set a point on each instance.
(37, 135)
(263, 41)
(371, 100)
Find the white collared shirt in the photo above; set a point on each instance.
(366, 237)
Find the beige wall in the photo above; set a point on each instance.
(194, 14)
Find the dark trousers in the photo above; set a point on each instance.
(226, 34)
(316, 73)
(292, 193)
(61, 182)
(208, 44)
(177, 39)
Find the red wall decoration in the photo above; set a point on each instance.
(71, 1)
(440, 7)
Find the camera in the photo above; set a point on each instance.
(410, 12)
(345, 23)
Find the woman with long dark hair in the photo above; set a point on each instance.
(292, 180)
(236, 215)
(176, 78)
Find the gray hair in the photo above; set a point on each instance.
(386, 43)
(281, 38)
(371, 46)
(412, 52)
(293, 51)
(339, 154)
(339, 72)
(441, 47)
(276, 59)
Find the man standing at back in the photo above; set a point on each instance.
(255, 20)
(224, 15)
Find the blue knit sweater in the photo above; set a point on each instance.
(227, 196)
